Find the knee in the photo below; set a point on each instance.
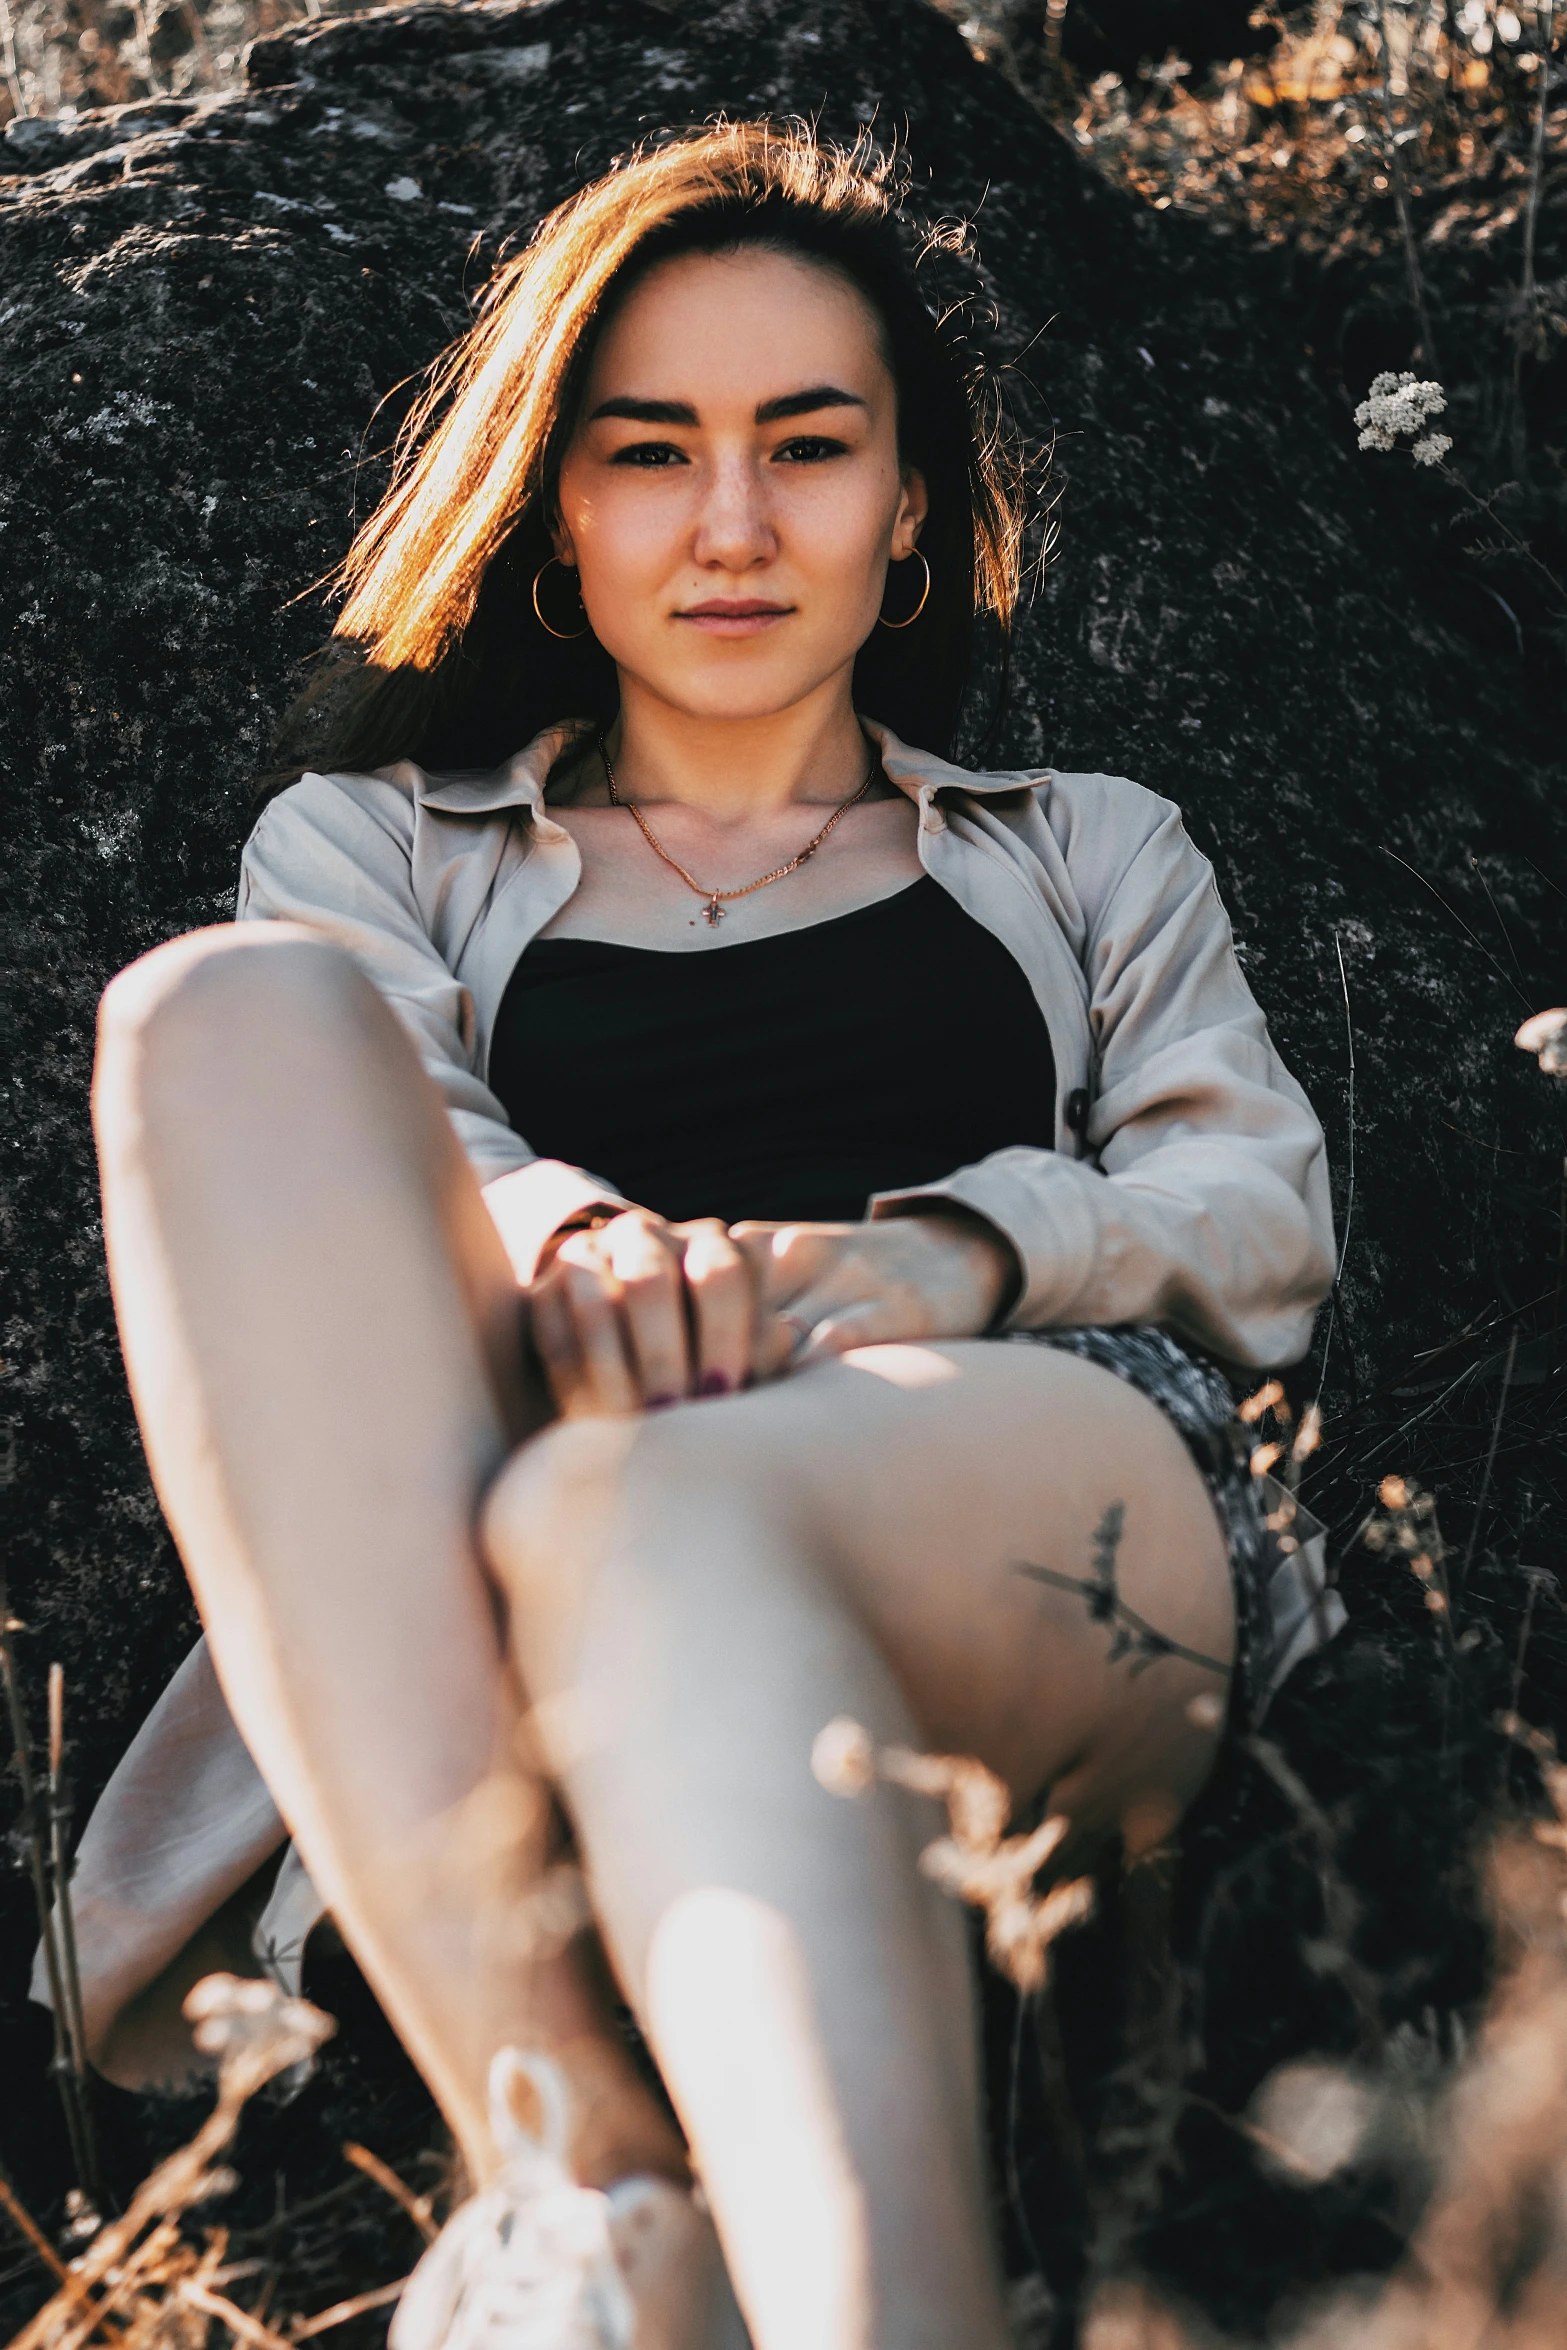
(217, 996)
(655, 1488)
(218, 975)
(548, 1513)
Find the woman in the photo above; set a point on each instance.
(618, 1492)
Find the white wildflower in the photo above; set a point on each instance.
(1545, 1035)
(552, 1914)
(82, 2217)
(843, 1759)
(1403, 404)
(1311, 2119)
(254, 2029)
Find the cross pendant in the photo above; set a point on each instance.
(713, 913)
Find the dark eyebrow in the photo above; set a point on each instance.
(629, 411)
(645, 411)
(806, 403)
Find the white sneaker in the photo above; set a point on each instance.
(530, 2264)
(539, 2263)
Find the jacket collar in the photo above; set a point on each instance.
(518, 783)
(922, 775)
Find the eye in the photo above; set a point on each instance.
(810, 449)
(649, 454)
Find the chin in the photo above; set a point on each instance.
(726, 703)
(740, 690)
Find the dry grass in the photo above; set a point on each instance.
(144, 2279)
(1486, 2266)
(1403, 163)
(1347, 100)
(63, 56)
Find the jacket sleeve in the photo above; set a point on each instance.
(1205, 1202)
(335, 853)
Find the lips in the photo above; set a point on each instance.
(741, 608)
(737, 616)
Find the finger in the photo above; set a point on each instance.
(787, 1337)
(554, 1334)
(786, 1258)
(854, 1297)
(775, 1341)
(845, 1275)
(721, 1292)
(845, 1283)
(874, 1322)
(605, 1382)
(754, 1240)
(646, 1267)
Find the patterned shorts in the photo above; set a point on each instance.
(1284, 1608)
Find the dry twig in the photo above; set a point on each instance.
(975, 1861)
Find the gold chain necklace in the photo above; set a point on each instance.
(713, 911)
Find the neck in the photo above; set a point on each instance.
(737, 769)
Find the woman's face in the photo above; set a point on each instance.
(732, 495)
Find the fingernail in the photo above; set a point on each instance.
(716, 1383)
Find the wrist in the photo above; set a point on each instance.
(585, 1220)
(532, 1204)
(998, 1270)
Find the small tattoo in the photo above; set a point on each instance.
(1131, 1634)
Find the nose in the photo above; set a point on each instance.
(734, 529)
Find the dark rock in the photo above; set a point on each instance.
(42, 142)
(206, 315)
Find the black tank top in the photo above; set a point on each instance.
(786, 1078)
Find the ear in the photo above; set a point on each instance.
(561, 541)
(913, 506)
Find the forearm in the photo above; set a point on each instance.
(998, 1273)
(1211, 1239)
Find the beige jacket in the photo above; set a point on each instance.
(1189, 1184)
(1192, 1189)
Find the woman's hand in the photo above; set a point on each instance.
(640, 1312)
(823, 1288)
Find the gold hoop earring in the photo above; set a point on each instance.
(565, 636)
(881, 619)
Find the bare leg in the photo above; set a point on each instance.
(318, 1323)
(322, 1334)
(696, 1596)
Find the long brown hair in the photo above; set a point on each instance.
(438, 654)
